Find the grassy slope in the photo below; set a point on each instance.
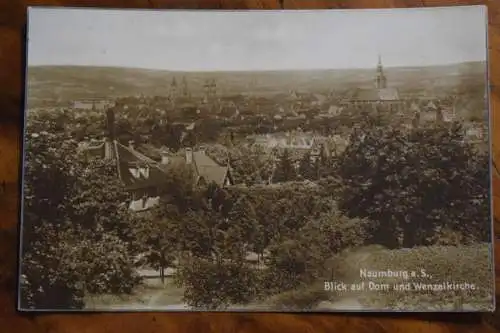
(471, 264)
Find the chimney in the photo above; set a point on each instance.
(189, 156)
(108, 150)
(164, 157)
(110, 124)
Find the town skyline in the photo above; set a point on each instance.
(207, 41)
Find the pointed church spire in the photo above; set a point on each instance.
(380, 79)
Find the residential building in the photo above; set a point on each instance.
(145, 178)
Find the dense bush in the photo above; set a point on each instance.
(106, 265)
(50, 276)
(341, 232)
(215, 285)
(250, 165)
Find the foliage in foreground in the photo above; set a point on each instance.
(213, 285)
(76, 234)
(391, 188)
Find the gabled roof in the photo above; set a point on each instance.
(203, 166)
(431, 105)
(149, 150)
(215, 174)
(208, 169)
(389, 94)
(385, 94)
(153, 174)
(127, 158)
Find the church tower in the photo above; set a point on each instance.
(210, 90)
(380, 79)
(185, 89)
(173, 89)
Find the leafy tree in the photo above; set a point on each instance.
(211, 285)
(179, 191)
(168, 135)
(44, 282)
(66, 249)
(307, 167)
(158, 236)
(324, 164)
(297, 261)
(98, 198)
(251, 165)
(285, 170)
(339, 232)
(243, 214)
(415, 183)
(215, 273)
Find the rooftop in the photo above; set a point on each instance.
(385, 94)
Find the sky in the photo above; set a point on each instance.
(256, 40)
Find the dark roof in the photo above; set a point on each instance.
(386, 94)
(203, 166)
(127, 158)
(149, 151)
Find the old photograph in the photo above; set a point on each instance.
(328, 160)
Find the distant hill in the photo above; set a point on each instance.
(62, 84)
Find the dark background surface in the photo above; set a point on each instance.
(12, 22)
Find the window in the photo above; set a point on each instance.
(134, 172)
(144, 172)
(140, 172)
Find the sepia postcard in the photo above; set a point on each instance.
(276, 161)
